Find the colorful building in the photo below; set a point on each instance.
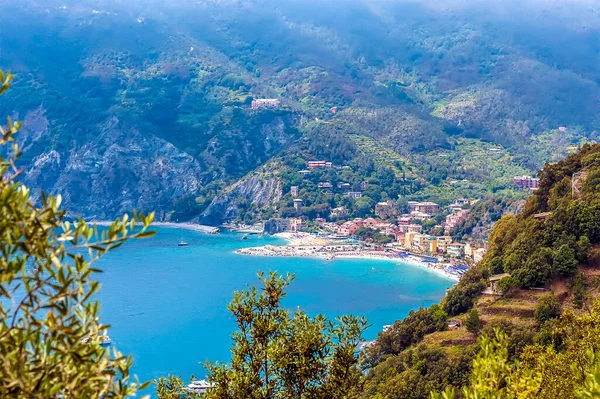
(526, 182)
(319, 165)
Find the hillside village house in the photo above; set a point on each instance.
(404, 220)
(432, 245)
(454, 219)
(420, 215)
(353, 194)
(429, 208)
(298, 204)
(493, 289)
(325, 185)
(410, 228)
(458, 205)
(409, 239)
(294, 191)
(339, 212)
(529, 182)
(319, 165)
(386, 228)
(424, 243)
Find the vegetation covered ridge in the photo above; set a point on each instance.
(533, 333)
(454, 101)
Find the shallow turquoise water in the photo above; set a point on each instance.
(167, 305)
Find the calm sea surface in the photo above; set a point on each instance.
(167, 305)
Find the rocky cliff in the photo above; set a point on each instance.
(120, 170)
(259, 189)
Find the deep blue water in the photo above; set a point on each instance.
(167, 305)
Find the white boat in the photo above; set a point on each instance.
(105, 340)
(199, 386)
(182, 242)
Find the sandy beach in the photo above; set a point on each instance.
(306, 245)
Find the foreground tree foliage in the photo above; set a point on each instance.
(279, 354)
(404, 333)
(569, 368)
(46, 293)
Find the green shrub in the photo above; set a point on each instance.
(548, 307)
(506, 284)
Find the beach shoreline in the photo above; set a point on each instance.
(173, 225)
(296, 242)
(307, 246)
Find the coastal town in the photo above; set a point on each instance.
(416, 232)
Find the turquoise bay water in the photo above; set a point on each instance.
(167, 305)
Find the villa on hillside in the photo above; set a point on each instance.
(430, 208)
(529, 182)
(339, 212)
(325, 185)
(319, 165)
(454, 219)
(353, 194)
(493, 288)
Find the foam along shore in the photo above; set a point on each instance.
(306, 245)
(185, 226)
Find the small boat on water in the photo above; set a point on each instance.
(105, 340)
(182, 242)
(201, 386)
(245, 237)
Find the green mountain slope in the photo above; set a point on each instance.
(160, 94)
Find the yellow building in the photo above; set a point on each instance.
(433, 245)
(443, 243)
(469, 250)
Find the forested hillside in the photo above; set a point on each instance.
(155, 96)
(541, 323)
